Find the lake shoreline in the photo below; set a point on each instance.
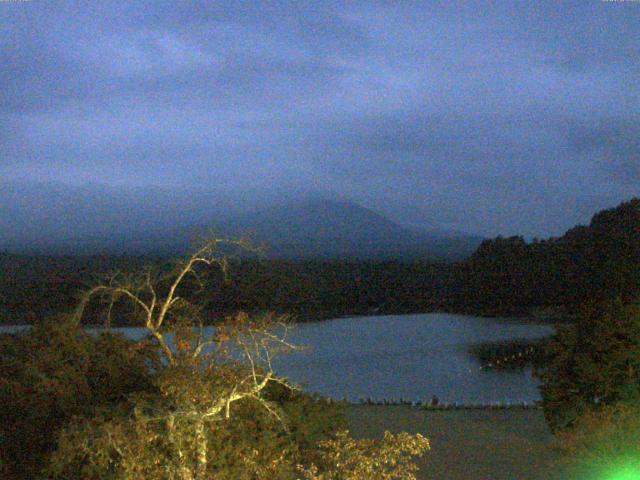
(550, 315)
(317, 317)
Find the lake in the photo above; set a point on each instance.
(412, 357)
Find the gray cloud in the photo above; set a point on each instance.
(613, 143)
(484, 117)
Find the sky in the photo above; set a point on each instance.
(491, 118)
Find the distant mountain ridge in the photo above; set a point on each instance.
(322, 228)
(96, 220)
(310, 229)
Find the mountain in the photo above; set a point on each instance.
(57, 219)
(321, 228)
(310, 228)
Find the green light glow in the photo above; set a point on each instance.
(627, 469)
(624, 472)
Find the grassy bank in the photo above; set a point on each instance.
(509, 444)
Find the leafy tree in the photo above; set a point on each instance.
(55, 371)
(343, 458)
(596, 262)
(593, 363)
(217, 409)
(603, 444)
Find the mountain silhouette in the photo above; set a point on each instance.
(322, 228)
(90, 219)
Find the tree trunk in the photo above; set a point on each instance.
(201, 451)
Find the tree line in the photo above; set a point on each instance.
(306, 289)
(594, 262)
(505, 276)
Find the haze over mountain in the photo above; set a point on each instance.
(342, 229)
(51, 218)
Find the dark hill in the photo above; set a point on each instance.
(597, 261)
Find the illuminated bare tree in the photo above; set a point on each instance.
(211, 385)
(206, 373)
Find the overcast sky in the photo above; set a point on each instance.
(493, 117)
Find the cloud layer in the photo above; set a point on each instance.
(488, 117)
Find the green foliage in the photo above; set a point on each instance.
(165, 434)
(114, 411)
(155, 441)
(306, 288)
(593, 363)
(509, 276)
(150, 439)
(329, 288)
(56, 371)
(344, 458)
(604, 444)
(181, 404)
(37, 287)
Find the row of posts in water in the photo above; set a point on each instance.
(507, 361)
(435, 404)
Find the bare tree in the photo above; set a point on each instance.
(205, 378)
(206, 373)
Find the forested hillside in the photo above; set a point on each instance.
(598, 261)
(505, 276)
(34, 287)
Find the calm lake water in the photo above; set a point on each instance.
(404, 356)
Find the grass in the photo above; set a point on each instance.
(510, 444)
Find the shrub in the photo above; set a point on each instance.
(593, 363)
(53, 372)
(343, 458)
(604, 444)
